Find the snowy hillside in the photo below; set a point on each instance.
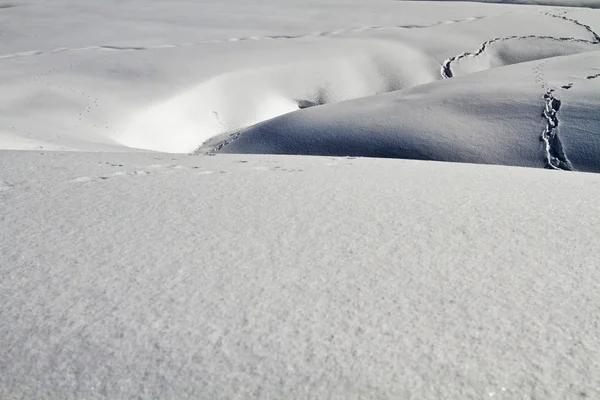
(102, 81)
(454, 120)
(164, 234)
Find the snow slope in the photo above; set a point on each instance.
(164, 276)
(452, 120)
(175, 75)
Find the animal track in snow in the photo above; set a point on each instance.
(148, 170)
(172, 166)
(34, 53)
(5, 186)
(84, 179)
(277, 169)
(576, 22)
(555, 155)
(539, 76)
(446, 70)
(88, 102)
(217, 143)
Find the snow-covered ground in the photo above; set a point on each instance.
(145, 252)
(292, 277)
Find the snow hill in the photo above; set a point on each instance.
(165, 234)
(453, 120)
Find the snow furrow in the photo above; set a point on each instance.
(555, 155)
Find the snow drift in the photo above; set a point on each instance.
(242, 98)
(493, 117)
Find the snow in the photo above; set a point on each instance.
(262, 276)
(212, 71)
(187, 210)
(450, 120)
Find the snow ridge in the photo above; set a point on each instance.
(446, 70)
(555, 155)
(446, 66)
(576, 22)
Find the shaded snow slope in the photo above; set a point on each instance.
(492, 117)
(161, 276)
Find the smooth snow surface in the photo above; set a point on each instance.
(159, 276)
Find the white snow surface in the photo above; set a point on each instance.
(174, 75)
(234, 276)
(133, 270)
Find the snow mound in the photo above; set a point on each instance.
(492, 117)
(510, 50)
(244, 97)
